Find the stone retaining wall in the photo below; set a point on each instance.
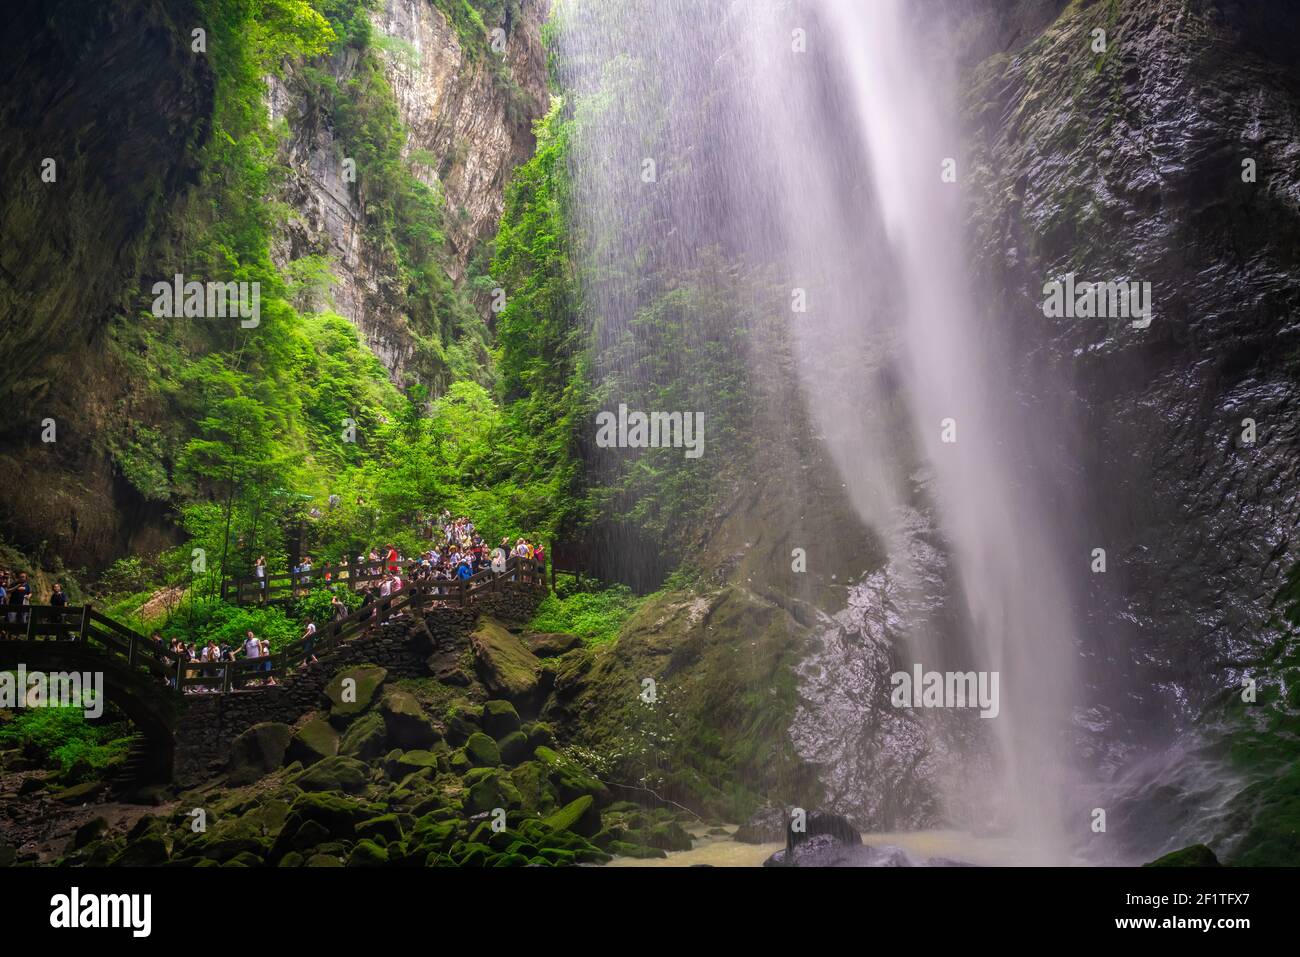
(405, 646)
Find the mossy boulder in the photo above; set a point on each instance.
(366, 738)
(570, 779)
(323, 860)
(474, 855)
(314, 741)
(1198, 855)
(407, 724)
(552, 644)
(338, 773)
(506, 666)
(535, 789)
(367, 854)
(625, 849)
(461, 721)
(338, 814)
(386, 826)
(482, 751)
(485, 795)
(580, 816)
(540, 735)
(500, 719)
(398, 766)
(92, 830)
(147, 850)
(257, 752)
(514, 749)
(353, 690)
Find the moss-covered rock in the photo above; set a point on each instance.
(92, 830)
(482, 751)
(505, 665)
(315, 740)
(1198, 855)
(461, 721)
(407, 725)
(386, 826)
(485, 795)
(352, 691)
(257, 752)
(398, 766)
(367, 853)
(536, 793)
(625, 849)
(338, 773)
(570, 779)
(474, 855)
(540, 735)
(324, 860)
(515, 749)
(366, 738)
(552, 644)
(580, 816)
(500, 719)
(146, 850)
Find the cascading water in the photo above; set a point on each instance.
(815, 139)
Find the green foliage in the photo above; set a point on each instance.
(595, 615)
(216, 620)
(64, 738)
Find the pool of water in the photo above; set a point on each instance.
(720, 850)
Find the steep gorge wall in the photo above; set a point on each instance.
(467, 108)
(111, 92)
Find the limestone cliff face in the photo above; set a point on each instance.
(108, 90)
(469, 111)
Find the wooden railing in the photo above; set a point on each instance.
(83, 623)
(250, 589)
(99, 632)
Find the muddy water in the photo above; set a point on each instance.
(721, 851)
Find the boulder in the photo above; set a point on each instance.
(579, 816)
(313, 741)
(506, 666)
(407, 725)
(366, 738)
(500, 719)
(352, 691)
(482, 751)
(92, 830)
(386, 826)
(571, 781)
(540, 735)
(1198, 855)
(765, 826)
(514, 748)
(552, 645)
(257, 752)
(462, 721)
(338, 773)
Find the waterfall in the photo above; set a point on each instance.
(815, 139)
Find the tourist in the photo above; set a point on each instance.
(57, 597)
(309, 645)
(266, 653)
(19, 594)
(338, 610)
(259, 570)
(252, 650)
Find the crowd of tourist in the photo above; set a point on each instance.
(458, 553)
(16, 593)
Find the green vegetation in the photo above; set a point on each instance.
(593, 614)
(62, 738)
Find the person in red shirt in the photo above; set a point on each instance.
(392, 560)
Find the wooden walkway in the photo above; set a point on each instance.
(136, 652)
